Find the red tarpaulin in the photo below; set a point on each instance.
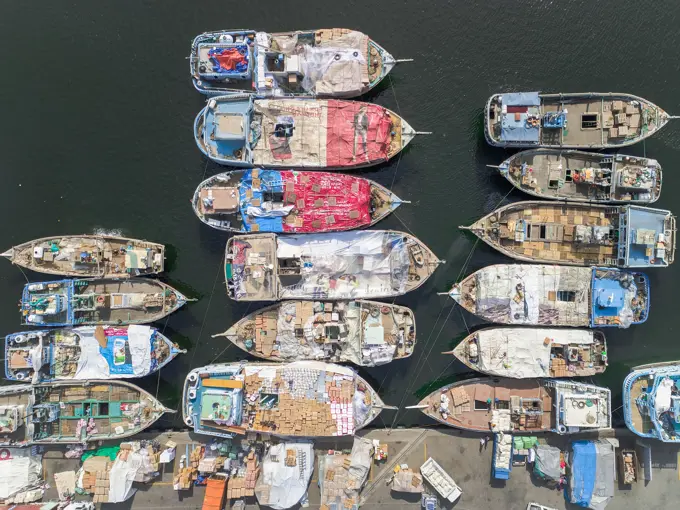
(228, 58)
(324, 201)
(356, 133)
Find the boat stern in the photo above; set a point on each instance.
(199, 131)
(638, 400)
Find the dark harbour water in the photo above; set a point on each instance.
(96, 111)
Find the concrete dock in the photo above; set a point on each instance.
(460, 454)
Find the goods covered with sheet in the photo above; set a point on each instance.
(319, 133)
(287, 201)
(285, 475)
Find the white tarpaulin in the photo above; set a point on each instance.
(523, 353)
(93, 365)
(280, 486)
(662, 400)
(20, 472)
(346, 264)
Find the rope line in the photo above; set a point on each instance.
(205, 316)
(463, 268)
(396, 169)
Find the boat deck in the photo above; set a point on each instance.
(642, 423)
(365, 333)
(556, 233)
(471, 405)
(582, 176)
(571, 120)
(91, 256)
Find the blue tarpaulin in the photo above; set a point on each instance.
(521, 99)
(583, 472)
(270, 180)
(517, 130)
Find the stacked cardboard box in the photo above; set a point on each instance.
(558, 368)
(101, 488)
(265, 332)
(291, 458)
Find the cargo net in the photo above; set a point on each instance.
(326, 62)
(527, 294)
(319, 133)
(287, 201)
(345, 266)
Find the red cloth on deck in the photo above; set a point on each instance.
(356, 133)
(229, 57)
(349, 193)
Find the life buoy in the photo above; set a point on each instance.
(100, 299)
(561, 429)
(20, 376)
(5, 454)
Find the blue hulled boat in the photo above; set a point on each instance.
(651, 401)
(87, 352)
(98, 301)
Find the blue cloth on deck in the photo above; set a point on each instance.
(583, 473)
(521, 99)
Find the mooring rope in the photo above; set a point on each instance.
(205, 316)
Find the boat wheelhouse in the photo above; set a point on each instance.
(651, 401)
(581, 234)
(238, 130)
(287, 201)
(589, 120)
(366, 333)
(87, 352)
(338, 266)
(301, 399)
(536, 295)
(333, 62)
(578, 176)
(517, 405)
(70, 412)
(89, 255)
(523, 353)
(98, 301)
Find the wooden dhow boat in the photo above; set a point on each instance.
(87, 352)
(333, 62)
(578, 176)
(291, 202)
(301, 399)
(98, 301)
(238, 130)
(73, 412)
(651, 401)
(89, 255)
(523, 353)
(337, 266)
(589, 120)
(535, 295)
(580, 234)
(525, 406)
(366, 333)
